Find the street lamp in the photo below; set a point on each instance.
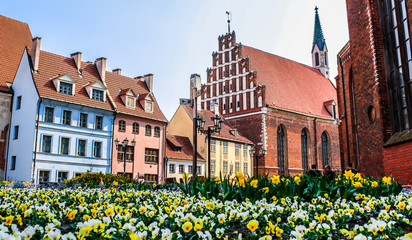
(257, 154)
(124, 144)
(217, 126)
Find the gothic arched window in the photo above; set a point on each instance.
(325, 149)
(316, 59)
(281, 150)
(305, 162)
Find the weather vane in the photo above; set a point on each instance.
(229, 17)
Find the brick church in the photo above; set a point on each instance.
(285, 107)
(375, 89)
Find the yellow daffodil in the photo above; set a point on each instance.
(275, 179)
(265, 189)
(254, 183)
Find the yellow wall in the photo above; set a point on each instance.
(181, 124)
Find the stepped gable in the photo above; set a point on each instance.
(14, 37)
(118, 84)
(291, 85)
(52, 66)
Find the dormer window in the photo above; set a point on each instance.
(131, 102)
(149, 106)
(98, 95)
(66, 88)
(177, 149)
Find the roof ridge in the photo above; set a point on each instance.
(14, 20)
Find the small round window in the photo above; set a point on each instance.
(371, 114)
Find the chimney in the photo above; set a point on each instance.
(77, 58)
(117, 71)
(196, 85)
(101, 68)
(148, 78)
(35, 53)
(214, 107)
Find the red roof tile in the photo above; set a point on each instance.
(226, 133)
(52, 65)
(14, 37)
(117, 83)
(186, 151)
(291, 85)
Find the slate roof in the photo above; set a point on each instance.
(52, 65)
(291, 85)
(15, 36)
(186, 148)
(227, 131)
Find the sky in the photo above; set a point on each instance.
(174, 39)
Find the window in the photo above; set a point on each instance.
(213, 146)
(281, 150)
(77, 174)
(171, 168)
(46, 144)
(325, 149)
(129, 153)
(151, 156)
(225, 166)
(245, 168)
(67, 117)
(245, 151)
(83, 120)
(44, 176)
(148, 131)
(156, 132)
(13, 163)
(97, 149)
(237, 167)
(81, 148)
(122, 126)
(181, 169)
(316, 59)
(150, 178)
(18, 103)
(16, 132)
(305, 163)
(48, 114)
(99, 123)
(190, 169)
(66, 88)
(149, 106)
(237, 149)
(135, 128)
(61, 176)
(398, 61)
(97, 95)
(130, 102)
(199, 170)
(212, 166)
(64, 146)
(225, 148)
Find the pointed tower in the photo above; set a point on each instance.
(319, 49)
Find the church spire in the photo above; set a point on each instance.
(319, 48)
(318, 38)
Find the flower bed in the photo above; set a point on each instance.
(161, 214)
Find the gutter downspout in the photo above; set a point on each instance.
(346, 112)
(35, 145)
(316, 142)
(8, 137)
(111, 145)
(164, 155)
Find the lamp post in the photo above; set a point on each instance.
(217, 126)
(257, 154)
(124, 144)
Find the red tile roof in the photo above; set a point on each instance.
(291, 85)
(14, 37)
(226, 133)
(184, 142)
(52, 65)
(117, 83)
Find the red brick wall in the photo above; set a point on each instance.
(398, 162)
(251, 127)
